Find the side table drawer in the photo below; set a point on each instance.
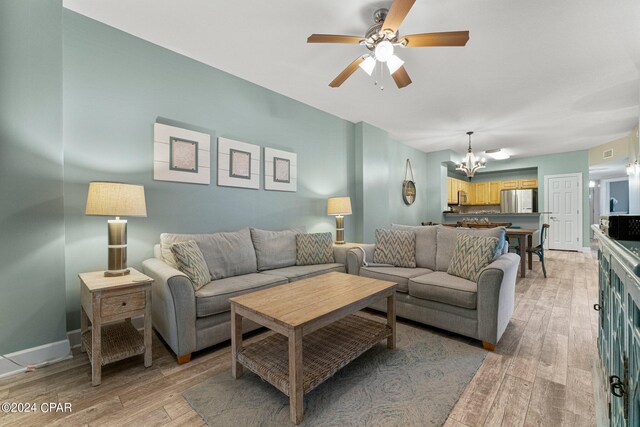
(119, 304)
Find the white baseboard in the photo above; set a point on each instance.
(74, 336)
(586, 249)
(36, 357)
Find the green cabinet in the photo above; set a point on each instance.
(619, 333)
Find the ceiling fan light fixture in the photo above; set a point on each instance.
(394, 63)
(368, 65)
(497, 154)
(383, 50)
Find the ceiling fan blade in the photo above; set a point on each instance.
(333, 38)
(452, 38)
(401, 78)
(398, 11)
(346, 73)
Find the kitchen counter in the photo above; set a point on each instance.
(478, 214)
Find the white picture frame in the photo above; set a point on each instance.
(238, 164)
(280, 170)
(181, 155)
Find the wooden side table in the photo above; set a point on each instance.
(109, 299)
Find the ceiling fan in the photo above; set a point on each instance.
(381, 39)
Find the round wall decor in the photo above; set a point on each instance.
(408, 185)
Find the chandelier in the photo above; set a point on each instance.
(470, 164)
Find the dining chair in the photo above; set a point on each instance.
(539, 250)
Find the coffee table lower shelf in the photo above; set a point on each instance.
(325, 351)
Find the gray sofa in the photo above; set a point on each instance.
(239, 262)
(427, 294)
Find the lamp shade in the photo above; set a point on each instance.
(116, 199)
(339, 206)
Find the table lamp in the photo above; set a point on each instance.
(339, 206)
(116, 199)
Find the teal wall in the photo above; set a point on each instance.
(32, 300)
(550, 164)
(436, 183)
(116, 86)
(380, 165)
(496, 176)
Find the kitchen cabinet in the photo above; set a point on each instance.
(494, 192)
(484, 193)
(509, 185)
(481, 193)
(519, 183)
(452, 185)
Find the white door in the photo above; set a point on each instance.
(563, 196)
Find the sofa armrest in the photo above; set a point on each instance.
(340, 253)
(173, 306)
(496, 297)
(357, 256)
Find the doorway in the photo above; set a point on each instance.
(563, 201)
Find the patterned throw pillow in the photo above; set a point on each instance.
(191, 262)
(312, 249)
(471, 255)
(395, 247)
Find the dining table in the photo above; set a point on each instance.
(521, 234)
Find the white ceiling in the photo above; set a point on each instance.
(535, 77)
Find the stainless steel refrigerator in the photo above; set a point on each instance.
(519, 201)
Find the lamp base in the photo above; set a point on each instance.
(339, 230)
(117, 248)
(116, 273)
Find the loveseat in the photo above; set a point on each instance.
(429, 295)
(239, 262)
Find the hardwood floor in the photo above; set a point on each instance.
(539, 373)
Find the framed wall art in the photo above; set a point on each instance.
(238, 164)
(280, 170)
(181, 155)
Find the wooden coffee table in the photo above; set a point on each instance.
(315, 317)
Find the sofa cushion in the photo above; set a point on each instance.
(315, 248)
(425, 243)
(446, 239)
(213, 298)
(299, 272)
(471, 255)
(191, 262)
(395, 247)
(445, 288)
(229, 254)
(275, 249)
(399, 275)
(168, 239)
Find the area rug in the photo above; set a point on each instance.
(417, 384)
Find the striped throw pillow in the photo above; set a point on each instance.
(315, 248)
(395, 247)
(190, 261)
(471, 255)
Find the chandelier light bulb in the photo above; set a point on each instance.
(384, 51)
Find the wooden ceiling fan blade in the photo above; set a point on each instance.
(451, 38)
(346, 73)
(333, 38)
(398, 11)
(401, 78)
